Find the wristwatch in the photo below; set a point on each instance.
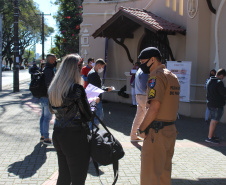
(139, 131)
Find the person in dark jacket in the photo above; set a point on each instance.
(216, 93)
(207, 113)
(34, 69)
(46, 116)
(94, 79)
(69, 103)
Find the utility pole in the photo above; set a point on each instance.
(1, 52)
(43, 40)
(16, 49)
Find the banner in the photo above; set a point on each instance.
(182, 69)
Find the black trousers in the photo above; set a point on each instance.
(73, 153)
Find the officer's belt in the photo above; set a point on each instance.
(157, 125)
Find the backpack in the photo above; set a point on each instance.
(105, 149)
(37, 85)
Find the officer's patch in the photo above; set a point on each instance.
(151, 83)
(151, 93)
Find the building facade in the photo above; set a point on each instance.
(183, 30)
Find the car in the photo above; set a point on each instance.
(3, 67)
(7, 68)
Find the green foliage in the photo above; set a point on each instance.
(69, 18)
(29, 26)
(29, 55)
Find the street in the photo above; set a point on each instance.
(7, 77)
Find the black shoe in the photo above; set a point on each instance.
(208, 140)
(41, 139)
(48, 142)
(216, 138)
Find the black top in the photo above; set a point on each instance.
(34, 69)
(75, 109)
(94, 78)
(48, 73)
(216, 93)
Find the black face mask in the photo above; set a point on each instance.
(145, 68)
(54, 64)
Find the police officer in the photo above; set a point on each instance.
(158, 126)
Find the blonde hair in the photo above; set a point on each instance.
(66, 76)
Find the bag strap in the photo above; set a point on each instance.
(101, 122)
(115, 168)
(115, 163)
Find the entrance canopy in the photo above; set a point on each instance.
(127, 20)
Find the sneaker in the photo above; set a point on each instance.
(48, 142)
(41, 139)
(208, 140)
(136, 140)
(216, 138)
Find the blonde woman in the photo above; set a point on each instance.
(69, 103)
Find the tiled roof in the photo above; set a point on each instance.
(123, 23)
(154, 21)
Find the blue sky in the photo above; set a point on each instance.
(47, 7)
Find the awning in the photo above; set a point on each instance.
(127, 20)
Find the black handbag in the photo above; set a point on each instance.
(105, 148)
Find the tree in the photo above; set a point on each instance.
(29, 26)
(29, 55)
(69, 18)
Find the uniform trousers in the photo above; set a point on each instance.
(156, 156)
(141, 111)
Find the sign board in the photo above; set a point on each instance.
(182, 70)
(42, 61)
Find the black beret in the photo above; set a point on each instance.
(149, 52)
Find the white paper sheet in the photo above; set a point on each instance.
(92, 92)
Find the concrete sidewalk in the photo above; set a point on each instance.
(23, 160)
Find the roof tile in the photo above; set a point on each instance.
(154, 21)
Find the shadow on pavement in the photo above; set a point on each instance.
(120, 117)
(92, 170)
(209, 181)
(31, 163)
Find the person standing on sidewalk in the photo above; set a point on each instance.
(158, 123)
(34, 69)
(141, 80)
(216, 93)
(86, 69)
(132, 83)
(207, 113)
(46, 116)
(69, 103)
(94, 79)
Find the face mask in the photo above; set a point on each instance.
(92, 64)
(100, 70)
(145, 68)
(54, 64)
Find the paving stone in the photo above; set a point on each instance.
(23, 160)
